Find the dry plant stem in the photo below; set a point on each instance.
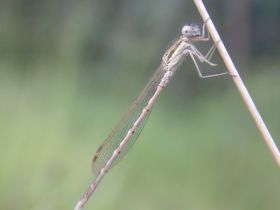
(238, 82)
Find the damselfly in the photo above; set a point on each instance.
(127, 130)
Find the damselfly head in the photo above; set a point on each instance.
(191, 31)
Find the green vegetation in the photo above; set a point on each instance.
(199, 153)
(70, 69)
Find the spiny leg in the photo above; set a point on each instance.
(199, 71)
(196, 66)
(203, 30)
(210, 52)
(202, 59)
(200, 56)
(207, 57)
(204, 37)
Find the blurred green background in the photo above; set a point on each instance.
(70, 69)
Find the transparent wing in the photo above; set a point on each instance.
(106, 150)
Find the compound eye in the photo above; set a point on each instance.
(185, 30)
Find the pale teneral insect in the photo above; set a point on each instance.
(128, 129)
